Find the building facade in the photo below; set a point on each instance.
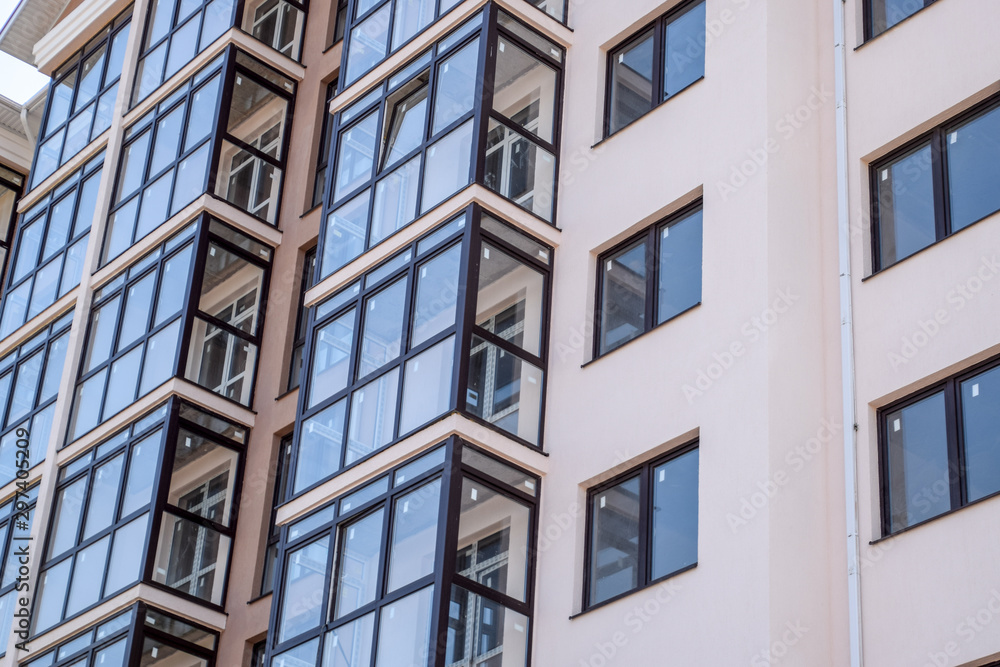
(451, 333)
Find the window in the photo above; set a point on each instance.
(258, 654)
(323, 158)
(168, 480)
(642, 527)
(16, 516)
(358, 575)
(408, 145)
(47, 258)
(178, 30)
(134, 340)
(159, 639)
(939, 448)
(301, 320)
(274, 532)
(554, 8)
(81, 100)
(339, 22)
(29, 384)
(382, 353)
(654, 65)
(649, 279)
(938, 185)
(11, 184)
(883, 14)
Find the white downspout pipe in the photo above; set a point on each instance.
(847, 341)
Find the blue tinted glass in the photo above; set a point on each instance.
(345, 234)
(680, 267)
(981, 424)
(675, 515)
(320, 446)
(631, 82)
(614, 547)
(919, 479)
(685, 50)
(906, 206)
(623, 296)
(368, 44)
(974, 169)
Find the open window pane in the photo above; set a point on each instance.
(405, 118)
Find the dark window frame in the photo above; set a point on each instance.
(469, 239)
(7, 180)
(652, 238)
(72, 67)
(282, 470)
(644, 472)
(200, 235)
(170, 422)
(41, 213)
(659, 28)
(323, 156)
(954, 445)
(451, 472)
(936, 139)
(875, 16)
(301, 321)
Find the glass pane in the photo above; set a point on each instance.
(158, 654)
(231, 289)
(365, 494)
(27, 250)
(257, 116)
(680, 267)
(46, 287)
(122, 383)
(59, 103)
(331, 359)
(203, 478)
(529, 36)
(355, 156)
(161, 357)
(368, 43)
(447, 169)
(133, 166)
(413, 542)
(357, 563)
(350, 645)
(25, 388)
(981, 430)
(320, 446)
(675, 515)
(50, 596)
(405, 119)
(203, 105)
(138, 299)
(60, 219)
(419, 466)
(303, 655)
(183, 630)
(112, 656)
(412, 16)
(120, 229)
(220, 361)
(382, 331)
(88, 573)
(484, 632)
(373, 416)
(69, 505)
(346, 228)
(684, 60)
(427, 385)
(455, 88)
(173, 285)
(190, 179)
(499, 470)
(623, 296)
(168, 140)
(519, 169)
(87, 404)
(510, 300)
(103, 497)
(493, 535)
(437, 293)
(303, 527)
(142, 469)
(504, 390)
(631, 82)
(906, 206)
(395, 201)
(103, 325)
(525, 90)
(614, 545)
(192, 558)
(404, 631)
(303, 588)
(888, 13)
(974, 169)
(919, 478)
(183, 46)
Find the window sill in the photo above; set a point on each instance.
(634, 591)
(260, 597)
(886, 538)
(659, 105)
(642, 335)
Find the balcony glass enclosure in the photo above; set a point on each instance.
(429, 564)
(223, 131)
(481, 105)
(455, 321)
(191, 308)
(155, 502)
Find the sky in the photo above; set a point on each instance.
(18, 81)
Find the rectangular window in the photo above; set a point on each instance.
(937, 185)
(940, 449)
(81, 99)
(655, 64)
(51, 242)
(323, 159)
(649, 279)
(883, 14)
(274, 533)
(642, 527)
(358, 575)
(11, 186)
(29, 382)
(170, 480)
(301, 320)
(339, 22)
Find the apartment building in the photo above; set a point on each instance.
(444, 333)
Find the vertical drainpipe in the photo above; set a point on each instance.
(847, 342)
